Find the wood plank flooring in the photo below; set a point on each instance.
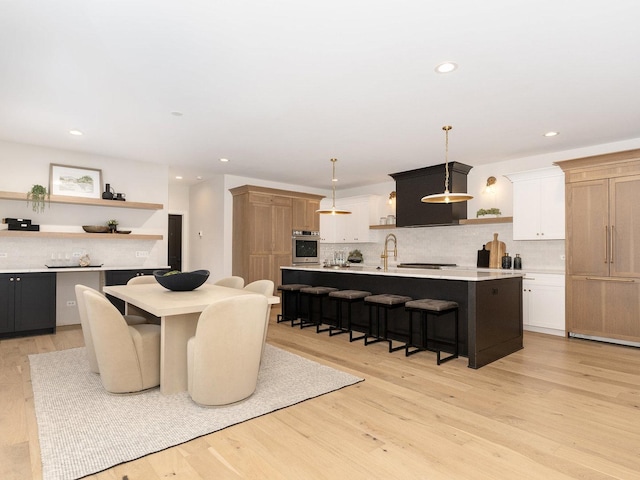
(558, 409)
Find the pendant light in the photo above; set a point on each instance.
(333, 210)
(447, 196)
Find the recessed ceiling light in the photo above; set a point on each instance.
(199, 177)
(177, 114)
(551, 134)
(178, 177)
(446, 67)
(224, 159)
(77, 133)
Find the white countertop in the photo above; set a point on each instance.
(446, 273)
(77, 269)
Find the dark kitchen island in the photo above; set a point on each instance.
(490, 302)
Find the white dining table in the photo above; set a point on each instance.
(179, 313)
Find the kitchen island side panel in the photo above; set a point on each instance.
(490, 311)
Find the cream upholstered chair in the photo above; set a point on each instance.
(232, 282)
(223, 357)
(128, 356)
(86, 329)
(265, 287)
(132, 310)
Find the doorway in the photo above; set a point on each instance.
(174, 253)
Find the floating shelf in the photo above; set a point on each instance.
(95, 202)
(468, 221)
(96, 236)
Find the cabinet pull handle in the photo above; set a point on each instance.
(11, 279)
(606, 244)
(610, 279)
(612, 244)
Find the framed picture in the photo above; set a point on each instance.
(75, 181)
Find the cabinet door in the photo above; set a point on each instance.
(587, 228)
(543, 302)
(625, 226)
(328, 228)
(260, 228)
(7, 282)
(281, 230)
(35, 301)
(552, 221)
(260, 267)
(526, 210)
(304, 216)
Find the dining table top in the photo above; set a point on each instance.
(159, 301)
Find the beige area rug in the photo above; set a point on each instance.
(84, 430)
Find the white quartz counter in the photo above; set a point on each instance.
(447, 273)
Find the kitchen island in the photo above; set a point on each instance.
(490, 302)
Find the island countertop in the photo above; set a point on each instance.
(444, 273)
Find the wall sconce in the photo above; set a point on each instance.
(392, 197)
(491, 181)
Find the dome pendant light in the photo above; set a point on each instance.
(447, 196)
(333, 210)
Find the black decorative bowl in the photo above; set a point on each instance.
(182, 281)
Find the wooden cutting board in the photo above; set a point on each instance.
(497, 250)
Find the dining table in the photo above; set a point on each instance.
(178, 312)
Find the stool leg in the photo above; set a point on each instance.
(455, 339)
(308, 320)
(376, 338)
(338, 329)
(410, 345)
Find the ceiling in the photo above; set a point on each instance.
(280, 87)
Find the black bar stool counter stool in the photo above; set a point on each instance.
(435, 308)
(384, 302)
(314, 316)
(290, 303)
(348, 297)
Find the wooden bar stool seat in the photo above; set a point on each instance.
(435, 308)
(348, 297)
(384, 302)
(290, 303)
(313, 316)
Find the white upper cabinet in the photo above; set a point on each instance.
(538, 204)
(353, 228)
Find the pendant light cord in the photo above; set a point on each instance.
(446, 129)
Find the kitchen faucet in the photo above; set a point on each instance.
(385, 252)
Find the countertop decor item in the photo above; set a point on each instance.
(181, 281)
(95, 228)
(355, 256)
(447, 196)
(38, 195)
(497, 249)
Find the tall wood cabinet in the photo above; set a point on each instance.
(263, 219)
(603, 245)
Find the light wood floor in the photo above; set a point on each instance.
(558, 409)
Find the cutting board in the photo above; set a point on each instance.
(497, 250)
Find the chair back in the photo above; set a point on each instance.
(142, 279)
(86, 327)
(224, 355)
(265, 287)
(231, 282)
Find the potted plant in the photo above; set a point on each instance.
(355, 256)
(489, 212)
(113, 225)
(38, 195)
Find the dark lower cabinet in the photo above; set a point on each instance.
(121, 277)
(27, 304)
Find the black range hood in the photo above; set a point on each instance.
(412, 185)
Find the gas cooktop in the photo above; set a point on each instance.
(434, 266)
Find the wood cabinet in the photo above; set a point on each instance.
(27, 303)
(353, 228)
(538, 204)
(603, 245)
(303, 214)
(543, 303)
(263, 219)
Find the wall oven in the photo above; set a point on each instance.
(305, 247)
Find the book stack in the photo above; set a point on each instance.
(21, 224)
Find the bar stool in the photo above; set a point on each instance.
(385, 302)
(311, 293)
(437, 308)
(290, 302)
(341, 297)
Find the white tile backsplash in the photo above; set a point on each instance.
(457, 244)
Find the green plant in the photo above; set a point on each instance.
(488, 211)
(38, 195)
(112, 223)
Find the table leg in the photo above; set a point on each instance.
(176, 330)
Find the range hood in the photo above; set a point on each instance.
(412, 185)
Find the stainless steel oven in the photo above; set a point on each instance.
(305, 247)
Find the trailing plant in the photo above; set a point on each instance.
(38, 196)
(488, 211)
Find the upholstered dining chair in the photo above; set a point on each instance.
(263, 287)
(132, 310)
(128, 356)
(223, 357)
(232, 282)
(86, 328)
